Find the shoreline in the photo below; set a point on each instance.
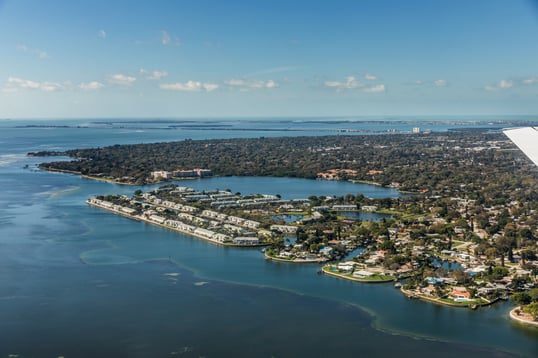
(327, 272)
(85, 176)
(295, 261)
(188, 233)
(515, 317)
(112, 181)
(414, 295)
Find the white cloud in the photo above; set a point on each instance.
(189, 86)
(370, 77)
(157, 75)
(91, 86)
(153, 75)
(505, 84)
(167, 39)
(33, 51)
(50, 86)
(512, 83)
(251, 84)
(350, 83)
(440, 83)
(19, 82)
(501, 85)
(419, 82)
(121, 79)
(375, 89)
(102, 34)
(13, 84)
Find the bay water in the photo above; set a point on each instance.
(76, 281)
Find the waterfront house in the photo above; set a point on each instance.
(243, 240)
(158, 174)
(158, 219)
(346, 267)
(220, 237)
(127, 210)
(428, 290)
(460, 294)
(362, 274)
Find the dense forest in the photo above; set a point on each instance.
(483, 165)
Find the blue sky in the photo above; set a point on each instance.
(71, 59)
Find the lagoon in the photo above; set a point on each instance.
(289, 188)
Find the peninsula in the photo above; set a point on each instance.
(465, 237)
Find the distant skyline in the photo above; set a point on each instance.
(198, 58)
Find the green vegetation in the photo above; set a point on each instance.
(532, 309)
(485, 165)
(373, 278)
(528, 302)
(474, 203)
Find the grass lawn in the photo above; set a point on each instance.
(373, 278)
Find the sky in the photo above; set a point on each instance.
(278, 58)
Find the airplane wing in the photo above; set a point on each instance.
(526, 138)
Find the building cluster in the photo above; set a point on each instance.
(192, 212)
(399, 250)
(181, 173)
(111, 206)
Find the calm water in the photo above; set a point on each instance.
(78, 281)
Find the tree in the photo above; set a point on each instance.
(481, 248)
(533, 294)
(460, 276)
(532, 309)
(387, 245)
(448, 230)
(490, 253)
(301, 235)
(521, 298)
(504, 246)
(527, 255)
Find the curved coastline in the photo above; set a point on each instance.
(526, 320)
(379, 327)
(188, 233)
(295, 261)
(437, 301)
(328, 272)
